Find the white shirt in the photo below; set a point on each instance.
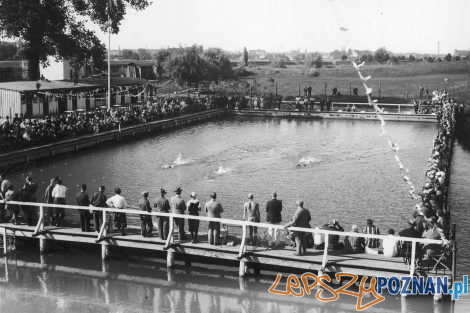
(59, 191)
(390, 244)
(117, 201)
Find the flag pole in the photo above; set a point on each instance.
(109, 56)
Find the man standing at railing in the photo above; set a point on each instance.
(83, 200)
(117, 201)
(273, 210)
(146, 224)
(98, 199)
(58, 193)
(251, 214)
(301, 219)
(178, 206)
(163, 205)
(213, 209)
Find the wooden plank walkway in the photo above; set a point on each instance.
(338, 261)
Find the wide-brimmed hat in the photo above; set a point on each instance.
(178, 190)
(193, 194)
(145, 192)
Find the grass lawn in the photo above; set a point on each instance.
(397, 83)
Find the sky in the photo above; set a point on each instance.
(312, 25)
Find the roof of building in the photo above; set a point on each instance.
(62, 84)
(13, 63)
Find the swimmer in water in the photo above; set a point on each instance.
(167, 166)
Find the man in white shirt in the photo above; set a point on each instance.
(58, 193)
(390, 244)
(117, 201)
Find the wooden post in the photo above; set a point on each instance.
(40, 227)
(170, 258)
(380, 89)
(5, 241)
(413, 257)
(325, 89)
(299, 89)
(242, 244)
(325, 253)
(243, 269)
(169, 240)
(454, 260)
(350, 90)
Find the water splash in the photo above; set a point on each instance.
(307, 161)
(222, 170)
(180, 161)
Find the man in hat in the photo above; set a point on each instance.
(146, 224)
(213, 209)
(162, 205)
(251, 214)
(301, 218)
(178, 205)
(83, 200)
(273, 210)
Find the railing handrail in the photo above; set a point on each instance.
(242, 223)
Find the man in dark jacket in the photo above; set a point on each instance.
(163, 223)
(273, 210)
(83, 200)
(301, 219)
(98, 199)
(146, 224)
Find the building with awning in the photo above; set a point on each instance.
(37, 98)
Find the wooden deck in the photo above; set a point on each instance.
(338, 261)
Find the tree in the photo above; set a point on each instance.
(344, 57)
(187, 66)
(457, 58)
(448, 57)
(8, 50)
(367, 58)
(245, 57)
(144, 54)
(217, 64)
(411, 58)
(313, 60)
(381, 55)
(57, 28)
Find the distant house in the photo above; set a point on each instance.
(134, 69)
(13, 71)
(461, 53)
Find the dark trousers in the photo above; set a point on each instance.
(98, 219)
(301, 243)
(180, 223)
(59, 213)
(30, 214)
(253, 231)
(85, 220)
(146, 225)
(213, 235)
(163, 225)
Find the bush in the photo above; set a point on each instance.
(313, 73)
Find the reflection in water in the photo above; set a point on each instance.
(62, 285)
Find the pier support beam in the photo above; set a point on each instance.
(187, 260)
(104, 252)
(42, 246)
(243, 269)
(170, 258)
(437, 297)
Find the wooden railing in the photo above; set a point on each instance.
(39, 228)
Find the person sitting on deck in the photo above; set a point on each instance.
(146, 224)
(372, 244)
(433, 231)
(354, 244)
(117, 201)
(391, 245)
(302, 219)
(333, 240)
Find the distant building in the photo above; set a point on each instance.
(461, 53)
(13, 71)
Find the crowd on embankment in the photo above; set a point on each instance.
(20, 132)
